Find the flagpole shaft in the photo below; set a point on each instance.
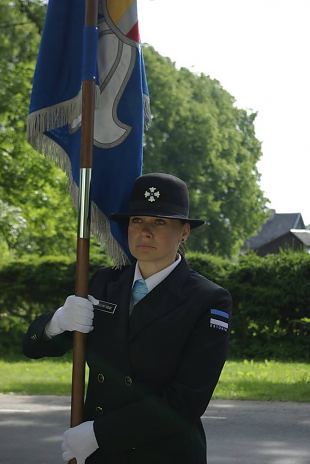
(82, 267)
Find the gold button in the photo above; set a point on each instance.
(128, 380)
(100, 378)
(99, 409)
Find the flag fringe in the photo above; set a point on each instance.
(56, 116)
(52, 117)
(100, 225)
(147, 111)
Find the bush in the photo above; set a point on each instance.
(32, 286)
(271, 299)
(213, 267)
(271, 306)
(271, 302)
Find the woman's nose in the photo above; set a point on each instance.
(146, 229)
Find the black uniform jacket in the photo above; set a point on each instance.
(151, 374)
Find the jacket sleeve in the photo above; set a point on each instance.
(37, 345)
(180, 405)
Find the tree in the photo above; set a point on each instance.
(30, 184)
(198, 134)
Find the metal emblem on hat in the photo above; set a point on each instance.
(152, 194)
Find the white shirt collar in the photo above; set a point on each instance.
(155, 279)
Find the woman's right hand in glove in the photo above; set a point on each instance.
(76, 314)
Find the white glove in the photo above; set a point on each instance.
(76, 314)
(79, 442)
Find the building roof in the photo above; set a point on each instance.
(302, 235)
(278, 224)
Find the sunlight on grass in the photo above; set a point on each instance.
(268, 380)
(35, 377)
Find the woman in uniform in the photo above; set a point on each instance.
(157, 340)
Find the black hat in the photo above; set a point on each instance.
(159, 195)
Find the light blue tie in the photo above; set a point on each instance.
(139, 291)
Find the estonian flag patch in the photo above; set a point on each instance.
(216, 322)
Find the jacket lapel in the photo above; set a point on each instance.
(108, 343)
(161, 300)
(119, 292)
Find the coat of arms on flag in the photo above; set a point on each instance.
(122, 105)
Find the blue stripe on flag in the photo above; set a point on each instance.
(90, 41)
(219, 312)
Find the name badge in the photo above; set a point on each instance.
(105, 306)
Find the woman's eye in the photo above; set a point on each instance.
(135, 220)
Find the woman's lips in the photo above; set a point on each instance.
(145, 246)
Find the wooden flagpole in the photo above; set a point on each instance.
(83, 234)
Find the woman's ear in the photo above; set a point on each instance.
(185, 232)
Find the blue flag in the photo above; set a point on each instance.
(110, 54)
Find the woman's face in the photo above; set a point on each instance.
(156, 240)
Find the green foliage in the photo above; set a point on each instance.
(271, 299)
(12, 224)
(198, 134)
(271, 306)
(213, 267)
(36, 214)
(32, 286)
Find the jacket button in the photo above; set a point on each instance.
(100, 378)
(99, 409)
(128, 380)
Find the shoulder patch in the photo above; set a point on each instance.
(219, 319)
(220, 312)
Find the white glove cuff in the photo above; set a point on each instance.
(79, 442)
(52, 327)
(93, 444)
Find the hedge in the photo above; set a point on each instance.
(271, 299)
(271, 306)
(30, 287)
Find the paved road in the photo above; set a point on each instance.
(239, 432)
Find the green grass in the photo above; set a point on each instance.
(264, 381)
(246, 380)
(35, 377)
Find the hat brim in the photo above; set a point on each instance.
(121, 217)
